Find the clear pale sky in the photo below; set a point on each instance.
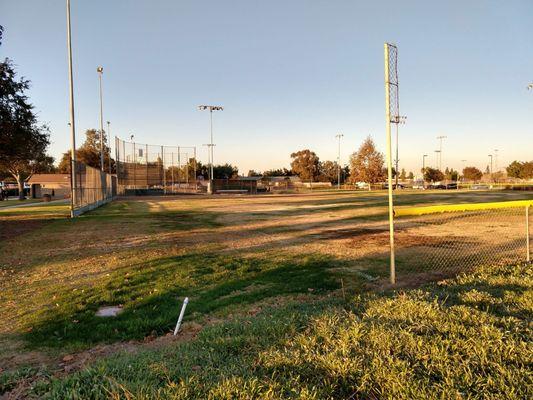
(291, 74)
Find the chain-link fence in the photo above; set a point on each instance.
(150, 169)
(438, 241)
(93, 188)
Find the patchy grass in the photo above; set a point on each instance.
(151, 295)
(230, 255)
(421, 344)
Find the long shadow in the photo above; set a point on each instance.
(152, 293)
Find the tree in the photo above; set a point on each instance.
(89, 153)
(305, 164)
(403, 174)
(254, 173)
(521, 170)
(514, 169)
(328, 171)
(411, 175)
(451, 175)
(527, 170)
(366, 164)
(226, 171)
(487, 170)
(23, 142)
(278, 172)
(472, 174)
(433, 175)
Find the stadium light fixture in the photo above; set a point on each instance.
(530, 86)
(210, 145)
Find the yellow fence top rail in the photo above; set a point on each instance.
(402, 212)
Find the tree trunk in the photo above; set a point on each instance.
(20, 182)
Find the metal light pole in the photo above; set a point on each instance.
(398, 119)
(210, 145)
(437, 153)
(339, 136)
(73, 194)
(100, 71)
(424, 169)
(109, 136)
(440, 150)
(490, 155)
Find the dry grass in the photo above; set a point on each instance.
(55, 261)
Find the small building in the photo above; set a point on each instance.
(55, 185)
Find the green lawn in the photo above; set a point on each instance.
(465, 338)
(282, 257)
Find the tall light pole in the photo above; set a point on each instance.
(440, 150)
(339, 136)
(210, 145)
(100, 71)
(73, 194)
(424, 169)
(496, 160)
(109, 136)
(398, 119)
(490, 155)
(437, 153)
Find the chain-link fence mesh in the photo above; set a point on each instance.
(144, 168)
(448, 242)
(93, 188)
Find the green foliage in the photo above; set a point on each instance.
(278, 172)
(226, 171)
(89, 153)
(521, 170)
(451, 174)
(433, 175)
(23, 142)
(305, 164)
(465, 338)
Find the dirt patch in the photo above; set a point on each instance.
(10, 228)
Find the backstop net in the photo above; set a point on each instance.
(151, 169)
(93, 188)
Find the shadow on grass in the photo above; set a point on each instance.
(151, 294)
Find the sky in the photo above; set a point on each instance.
(291, 74)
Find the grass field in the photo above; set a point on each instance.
(278, 288)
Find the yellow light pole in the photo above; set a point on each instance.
(389, 164)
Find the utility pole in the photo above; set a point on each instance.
(339, 136)
(440, 138)
(490, 155)
(73, 194)
(210, 145)
(100, 71)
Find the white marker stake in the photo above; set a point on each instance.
(185, 302)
